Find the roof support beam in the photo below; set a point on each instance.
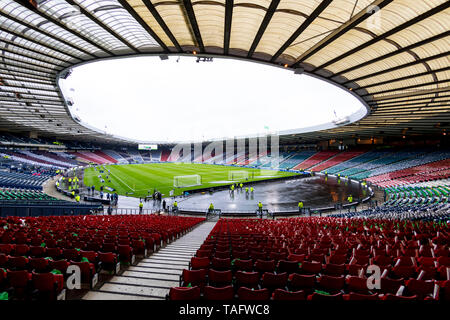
(319, 9)
(63, 26)
(227, 28)
(389, 33)
(45, 74)
(27, 88)
(404, 78)
(349, 25)
(104, 26)
(143, 24)
(413, 94)
(9, 77)
(36, 52)
(386, 56)
(48, 34)
(22, 73)
(162, 23)
(50, 97)
(187, 4)
(34, 101)
(408, 87)
(29, 56)
(399, 102)
(269, 14)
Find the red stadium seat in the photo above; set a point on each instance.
(193, 278)
(200, 263)
(224, 293)
(220, 278)
(183, 293)
(252, 295)
(280, 294)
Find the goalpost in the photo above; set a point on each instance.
(187, 181)
(238, 175)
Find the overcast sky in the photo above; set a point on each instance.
(148, 99)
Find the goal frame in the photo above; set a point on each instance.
(177, 184)
(233, 173)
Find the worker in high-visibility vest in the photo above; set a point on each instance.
(260, 208)
(77, 198)
(300, 206)
(350, 199)
(246, 189)
(141, 206)
(211, 208)
(73, 194)
(241, 185)
(175, 206)
(251, 189)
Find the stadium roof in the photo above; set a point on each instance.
(394, 54)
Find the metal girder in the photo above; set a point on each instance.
(227, 27)
(144, 25)
(187, 4)
(262, 28)
(350, 24)
(162, 24)
(319, 9)
(389, 33)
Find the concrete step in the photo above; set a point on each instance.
(152, 277)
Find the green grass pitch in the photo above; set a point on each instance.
(137, 180)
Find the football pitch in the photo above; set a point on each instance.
(140, 180)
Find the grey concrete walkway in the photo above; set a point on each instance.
(152, 277)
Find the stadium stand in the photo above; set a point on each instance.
(390, 55)
(308, 258)
(295, 159)
(315, 159)
(334, 161)
(36, 252)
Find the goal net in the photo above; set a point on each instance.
(238, 175)
(187, 181)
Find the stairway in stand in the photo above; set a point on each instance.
(152, 277)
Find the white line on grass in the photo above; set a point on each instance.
(121, 181)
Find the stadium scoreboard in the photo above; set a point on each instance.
(147, 147)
